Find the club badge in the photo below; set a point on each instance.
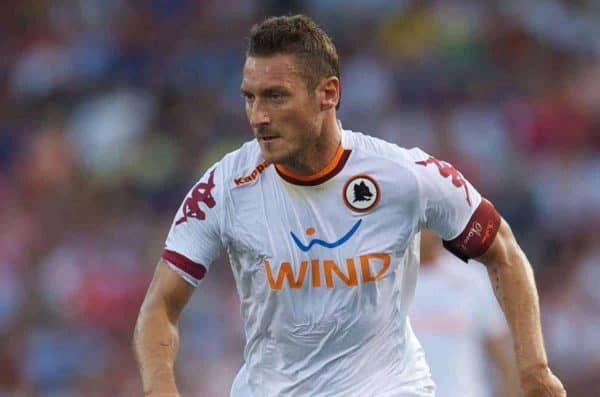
(361, 193)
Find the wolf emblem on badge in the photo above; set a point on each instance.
(361, 193)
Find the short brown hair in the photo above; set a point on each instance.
(300, 36)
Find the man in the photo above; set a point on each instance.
(321, 226)
(460, 326)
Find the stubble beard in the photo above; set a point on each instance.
(295, 154)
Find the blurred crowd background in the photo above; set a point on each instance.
(111, 109)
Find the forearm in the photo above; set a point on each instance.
(156, 342)
(514, 286)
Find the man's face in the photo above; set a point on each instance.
(283, 114)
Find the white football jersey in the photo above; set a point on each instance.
(326, 265)
(455, 313)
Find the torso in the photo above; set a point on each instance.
(314, 302)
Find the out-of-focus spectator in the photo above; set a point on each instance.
(461, 326)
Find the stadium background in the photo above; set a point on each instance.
(110, 110)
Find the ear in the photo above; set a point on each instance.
(329, 92)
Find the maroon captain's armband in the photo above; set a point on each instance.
(478, 235)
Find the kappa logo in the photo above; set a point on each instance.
(202, 192)
(447, 170)
(253, 175)
(361, 193)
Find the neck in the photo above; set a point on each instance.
(318, 156)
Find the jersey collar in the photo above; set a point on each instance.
(335, 165)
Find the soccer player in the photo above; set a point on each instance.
(460, 326)
(321, 225)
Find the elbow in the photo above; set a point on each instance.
(141, 323)
(135, 338)
(504, 251)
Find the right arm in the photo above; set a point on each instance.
(192, 244)
(156, 337)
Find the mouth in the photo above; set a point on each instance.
(267, 138)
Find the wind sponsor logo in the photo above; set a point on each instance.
(327, 273)
(316, 241)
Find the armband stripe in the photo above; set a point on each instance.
(479, 233)
(196, 270)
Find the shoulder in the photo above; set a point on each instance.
(237, 167)
(371, 145)
(396, 156)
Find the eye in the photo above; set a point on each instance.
(247, 96)
(276, 95)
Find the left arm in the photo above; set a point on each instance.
(472, 228)
(512, 279)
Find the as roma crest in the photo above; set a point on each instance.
(361, 193)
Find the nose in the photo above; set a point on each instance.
(257, 114)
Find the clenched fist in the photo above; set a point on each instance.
(541, 382)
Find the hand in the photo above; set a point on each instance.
(541, 382)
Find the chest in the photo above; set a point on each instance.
(343, 232)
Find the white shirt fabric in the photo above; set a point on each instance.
(325, 286)
(454, 313)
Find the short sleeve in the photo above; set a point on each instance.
(451, 206)
(447, 199)
(194, 240)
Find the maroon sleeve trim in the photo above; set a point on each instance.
(478, 235)
(194, 269)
